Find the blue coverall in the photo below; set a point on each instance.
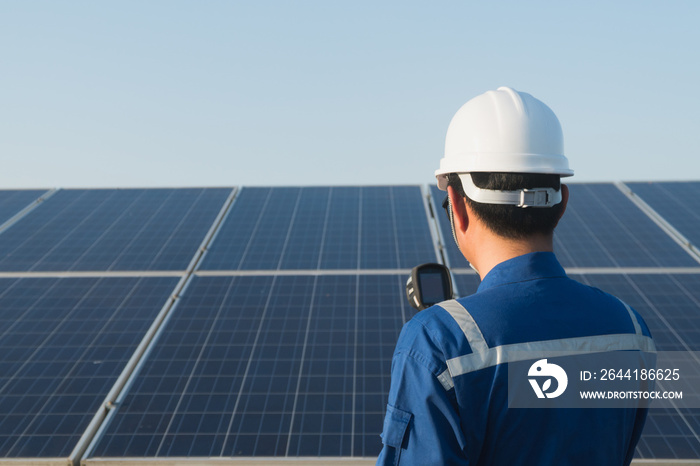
(441, 416)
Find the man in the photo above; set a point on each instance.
(448, 402)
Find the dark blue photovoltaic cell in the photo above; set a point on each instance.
(63, 343)
(112, 229)
(600, 228)
(11, 202)
(676, 202)
(266, 366)
(381, 227)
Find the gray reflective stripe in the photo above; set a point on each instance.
(635, 322)
(548, 348)
(466, 323)
(446, 380)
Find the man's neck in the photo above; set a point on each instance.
(493, 249)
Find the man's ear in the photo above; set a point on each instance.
(459, 210)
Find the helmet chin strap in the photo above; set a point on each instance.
(454, 234)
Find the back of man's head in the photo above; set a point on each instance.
(511, 221)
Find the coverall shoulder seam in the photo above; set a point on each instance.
(421, 359)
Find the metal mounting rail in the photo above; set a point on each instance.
(437, 235)
(94, 274)
(442, 243)
(303, 272)
(241, 461)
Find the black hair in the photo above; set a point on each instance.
(511, 221)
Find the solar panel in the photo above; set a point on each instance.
(676, 202)
(603, 228)
(111, 229)
(63, 343)
(12, 202)
(266, 366)
(324, 228)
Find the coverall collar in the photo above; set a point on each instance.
(530, 266)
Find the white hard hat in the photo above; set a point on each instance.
(503, 131)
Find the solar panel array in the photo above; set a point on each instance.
(162, 323)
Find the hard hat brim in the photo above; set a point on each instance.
(491, 163)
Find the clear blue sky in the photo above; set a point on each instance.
(206, 93)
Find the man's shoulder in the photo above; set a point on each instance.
(434, 320)
(434, 328)
(548, 309)
(562, 288)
